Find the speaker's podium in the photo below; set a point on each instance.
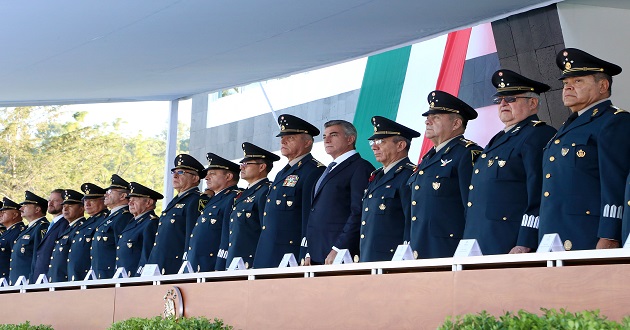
(407, 293)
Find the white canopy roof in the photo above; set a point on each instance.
(68, 51)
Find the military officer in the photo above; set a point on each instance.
(14, 224)
(179, 216)
(139, 235)
(289, 201)
(72, 210)
(387, 199)
(585, 165)
(247, 212)
(507, 178)
(439, 185)
(103, 250)
(33, 209)
(79, 252)
(222, 177)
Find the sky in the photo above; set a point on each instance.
(149, 118)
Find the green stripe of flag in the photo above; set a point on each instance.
(380, 94)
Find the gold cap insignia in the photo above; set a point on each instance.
(567, 65)
(502, 84)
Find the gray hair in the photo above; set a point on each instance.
(348, 128)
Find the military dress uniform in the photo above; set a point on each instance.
(139, 234)
(585, 166)
(505, 188)
(289, 201)
(103, 250)
(439, 187)
(205, 239)
(387, 199)
(23, 254)
(7, 239)
(247, 215)
(177, 221)
(58, 268)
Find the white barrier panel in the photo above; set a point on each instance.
(403, 252)
(550, 243)
(343, 257)
(237, 264)
(288, 261)
(150, 270)
(467, 248)
(185, 268)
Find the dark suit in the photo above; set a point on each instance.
(206, 236)
(7, 239)
(79, 253)
(23, 256)
(137, 237)
(46, 246)
(336, 209)
(385, 207)
(585, 167)
(505, 189)
(103, 250)
(58, 268)
(244, 225)
(175, 227)
(286, 210)
(439, 195)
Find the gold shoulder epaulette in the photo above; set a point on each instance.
(620, 111)
(538, 123)
(376, 171)
(318, 163)
(467, 143)
(410, 166)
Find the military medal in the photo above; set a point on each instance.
(291, 180)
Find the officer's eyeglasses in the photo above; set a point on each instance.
(181, 172)
(508, 99)
(376, 142)
(252, 163)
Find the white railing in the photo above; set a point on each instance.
(545, 259)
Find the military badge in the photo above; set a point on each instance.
(104, 238)
(238, 214)
(179, 206)
(213, 221)
(382, 207)
(502, 163)
(564, 151)
(580, 153)
(26, 237)
(248, 214)
(249, 199)
(87, 239)
(22, 250)
(490, 162)
(129, 245)
(289, 203)
(172, 220)
(290, 181)
(278, 202)
(436, 185)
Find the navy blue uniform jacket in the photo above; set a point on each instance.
(203, 246)
(7, 239)
(23, 254)
(103, 251)
(175, 227)
(137, 237)
(58, 268)
(585, 168)
(505, 189)
(46, 246)
(286, 210)
(79, 253)
(385, 206)
(245, 219)
(439, 196)
(335, 218)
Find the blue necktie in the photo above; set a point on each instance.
(321, 178)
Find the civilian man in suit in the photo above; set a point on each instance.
(221, 178)
(103, 250)
(387, 199)
(586, 164)
(179, 216)
(334, 221)
(14, 226)
(57, 226)
(139, 235)
(440, 184)
(289, 200)
(247, 214)
(79, 253)
(23, 255)
(73, 213)
(507, 180)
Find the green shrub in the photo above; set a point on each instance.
(25, 326)
(158, 323)
(550, 319)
